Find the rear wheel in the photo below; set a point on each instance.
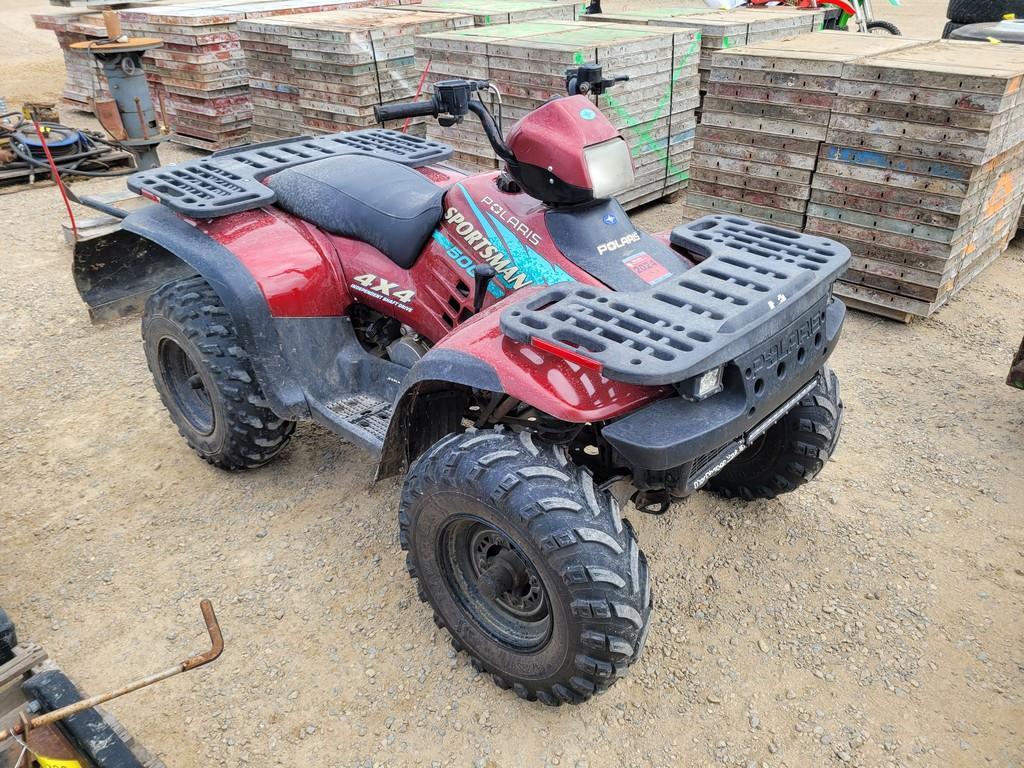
(205, 378)
(792, 451)
(883, 28)
(526, 563)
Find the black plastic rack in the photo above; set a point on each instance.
(228, 181)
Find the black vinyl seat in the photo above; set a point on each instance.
(385, 204)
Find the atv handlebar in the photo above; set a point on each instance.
(425, 108)
(452, 100)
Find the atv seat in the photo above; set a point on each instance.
(387, 205)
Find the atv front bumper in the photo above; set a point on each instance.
(686, 442)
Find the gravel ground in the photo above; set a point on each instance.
(871, 618)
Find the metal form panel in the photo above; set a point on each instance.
(922, 172)
(770, 105)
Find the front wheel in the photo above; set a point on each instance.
(526, 563)
(792, 451)
(883, 28)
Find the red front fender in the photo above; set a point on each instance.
(478, 356)
(550, 384)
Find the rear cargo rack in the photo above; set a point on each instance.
(228, 182)
(754, 280)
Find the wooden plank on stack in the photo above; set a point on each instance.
(922, 171)
(721, 30)
(463, 54)
(527, 62)
(765, 116)
(84, 81)
(324, 72)
(471, 149)
(488, 12)
(201, 67)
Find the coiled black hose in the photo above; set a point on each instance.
(80, 157)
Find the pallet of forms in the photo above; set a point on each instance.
(922, 171)
(200, 71)
(721, 30)
(84, 80)
(325, 72)
(765, 116)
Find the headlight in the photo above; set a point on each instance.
(609, 167)
(703, 386)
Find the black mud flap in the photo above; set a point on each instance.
(116, 272)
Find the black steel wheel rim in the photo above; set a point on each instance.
(186, 386)
(519, 618)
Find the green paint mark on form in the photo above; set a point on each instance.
(646, 140)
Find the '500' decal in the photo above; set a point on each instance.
(382, 290)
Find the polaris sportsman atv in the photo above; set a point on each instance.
(510, 340)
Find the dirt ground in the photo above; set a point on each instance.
(872, 618)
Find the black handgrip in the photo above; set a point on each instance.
(401, 111)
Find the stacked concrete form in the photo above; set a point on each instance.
(910, 152)
(486, 13)
(84, 80)
(721, 30)
(527, 62)
(765, 116)
(922, 172)
(198, 77)
(324, 72)
(201, 67)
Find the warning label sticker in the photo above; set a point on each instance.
(646, 267)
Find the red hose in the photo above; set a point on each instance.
(56, 175)
(419, 90)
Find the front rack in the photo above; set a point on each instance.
(754, 280)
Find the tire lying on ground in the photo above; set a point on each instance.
(792, 451)
(974, 11)
(526, 563)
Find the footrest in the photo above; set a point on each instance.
(754, 281)
(364, 413)
(228, 182)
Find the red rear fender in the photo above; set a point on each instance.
(294, 265)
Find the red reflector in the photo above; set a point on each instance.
(566, 354)
(149, 195)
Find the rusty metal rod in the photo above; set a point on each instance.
(216, 647)
(142, 118)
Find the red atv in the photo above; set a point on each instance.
(509, 339)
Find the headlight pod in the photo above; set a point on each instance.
(609, 167)
(703, 386)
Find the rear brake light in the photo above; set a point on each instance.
(566, 354)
